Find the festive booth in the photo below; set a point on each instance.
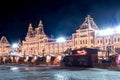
(83, 57)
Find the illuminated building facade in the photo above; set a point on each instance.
(37, 42)
(4, 45)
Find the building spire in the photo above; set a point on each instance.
(89, 23)
(4, 41)
(40, 24)
(40, 28)
(30, 31)
(30, 27)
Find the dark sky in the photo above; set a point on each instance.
(60, 17)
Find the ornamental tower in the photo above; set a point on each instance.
(89, 24)
(35, 41)
(30, 31)
(4, 45)
(40, 28)
(85, 35)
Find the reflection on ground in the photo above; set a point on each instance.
(28, 72)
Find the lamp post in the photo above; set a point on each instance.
(60, 40)
(69, 51)
(58, 47)
(43, 52)
(49, 48)
(108, 51)
(15, 46)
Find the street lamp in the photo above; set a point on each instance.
(69, 51)
(108, 50)
(43, 52)
(14, 45)
(14, 49)
(60, 40)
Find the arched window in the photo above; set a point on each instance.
(109, 40)
(91, 40)
(98, 41)
(115, 40)
(83, 41)
(80, 42)
(101, 41)
(86, 41)
(118, 39)
(106, 40)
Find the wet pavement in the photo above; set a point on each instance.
(29, 72)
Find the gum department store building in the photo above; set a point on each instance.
(37, 42)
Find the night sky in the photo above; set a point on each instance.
(59, 17)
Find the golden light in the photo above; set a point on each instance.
(82, 52)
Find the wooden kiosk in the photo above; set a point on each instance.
(83, 57)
